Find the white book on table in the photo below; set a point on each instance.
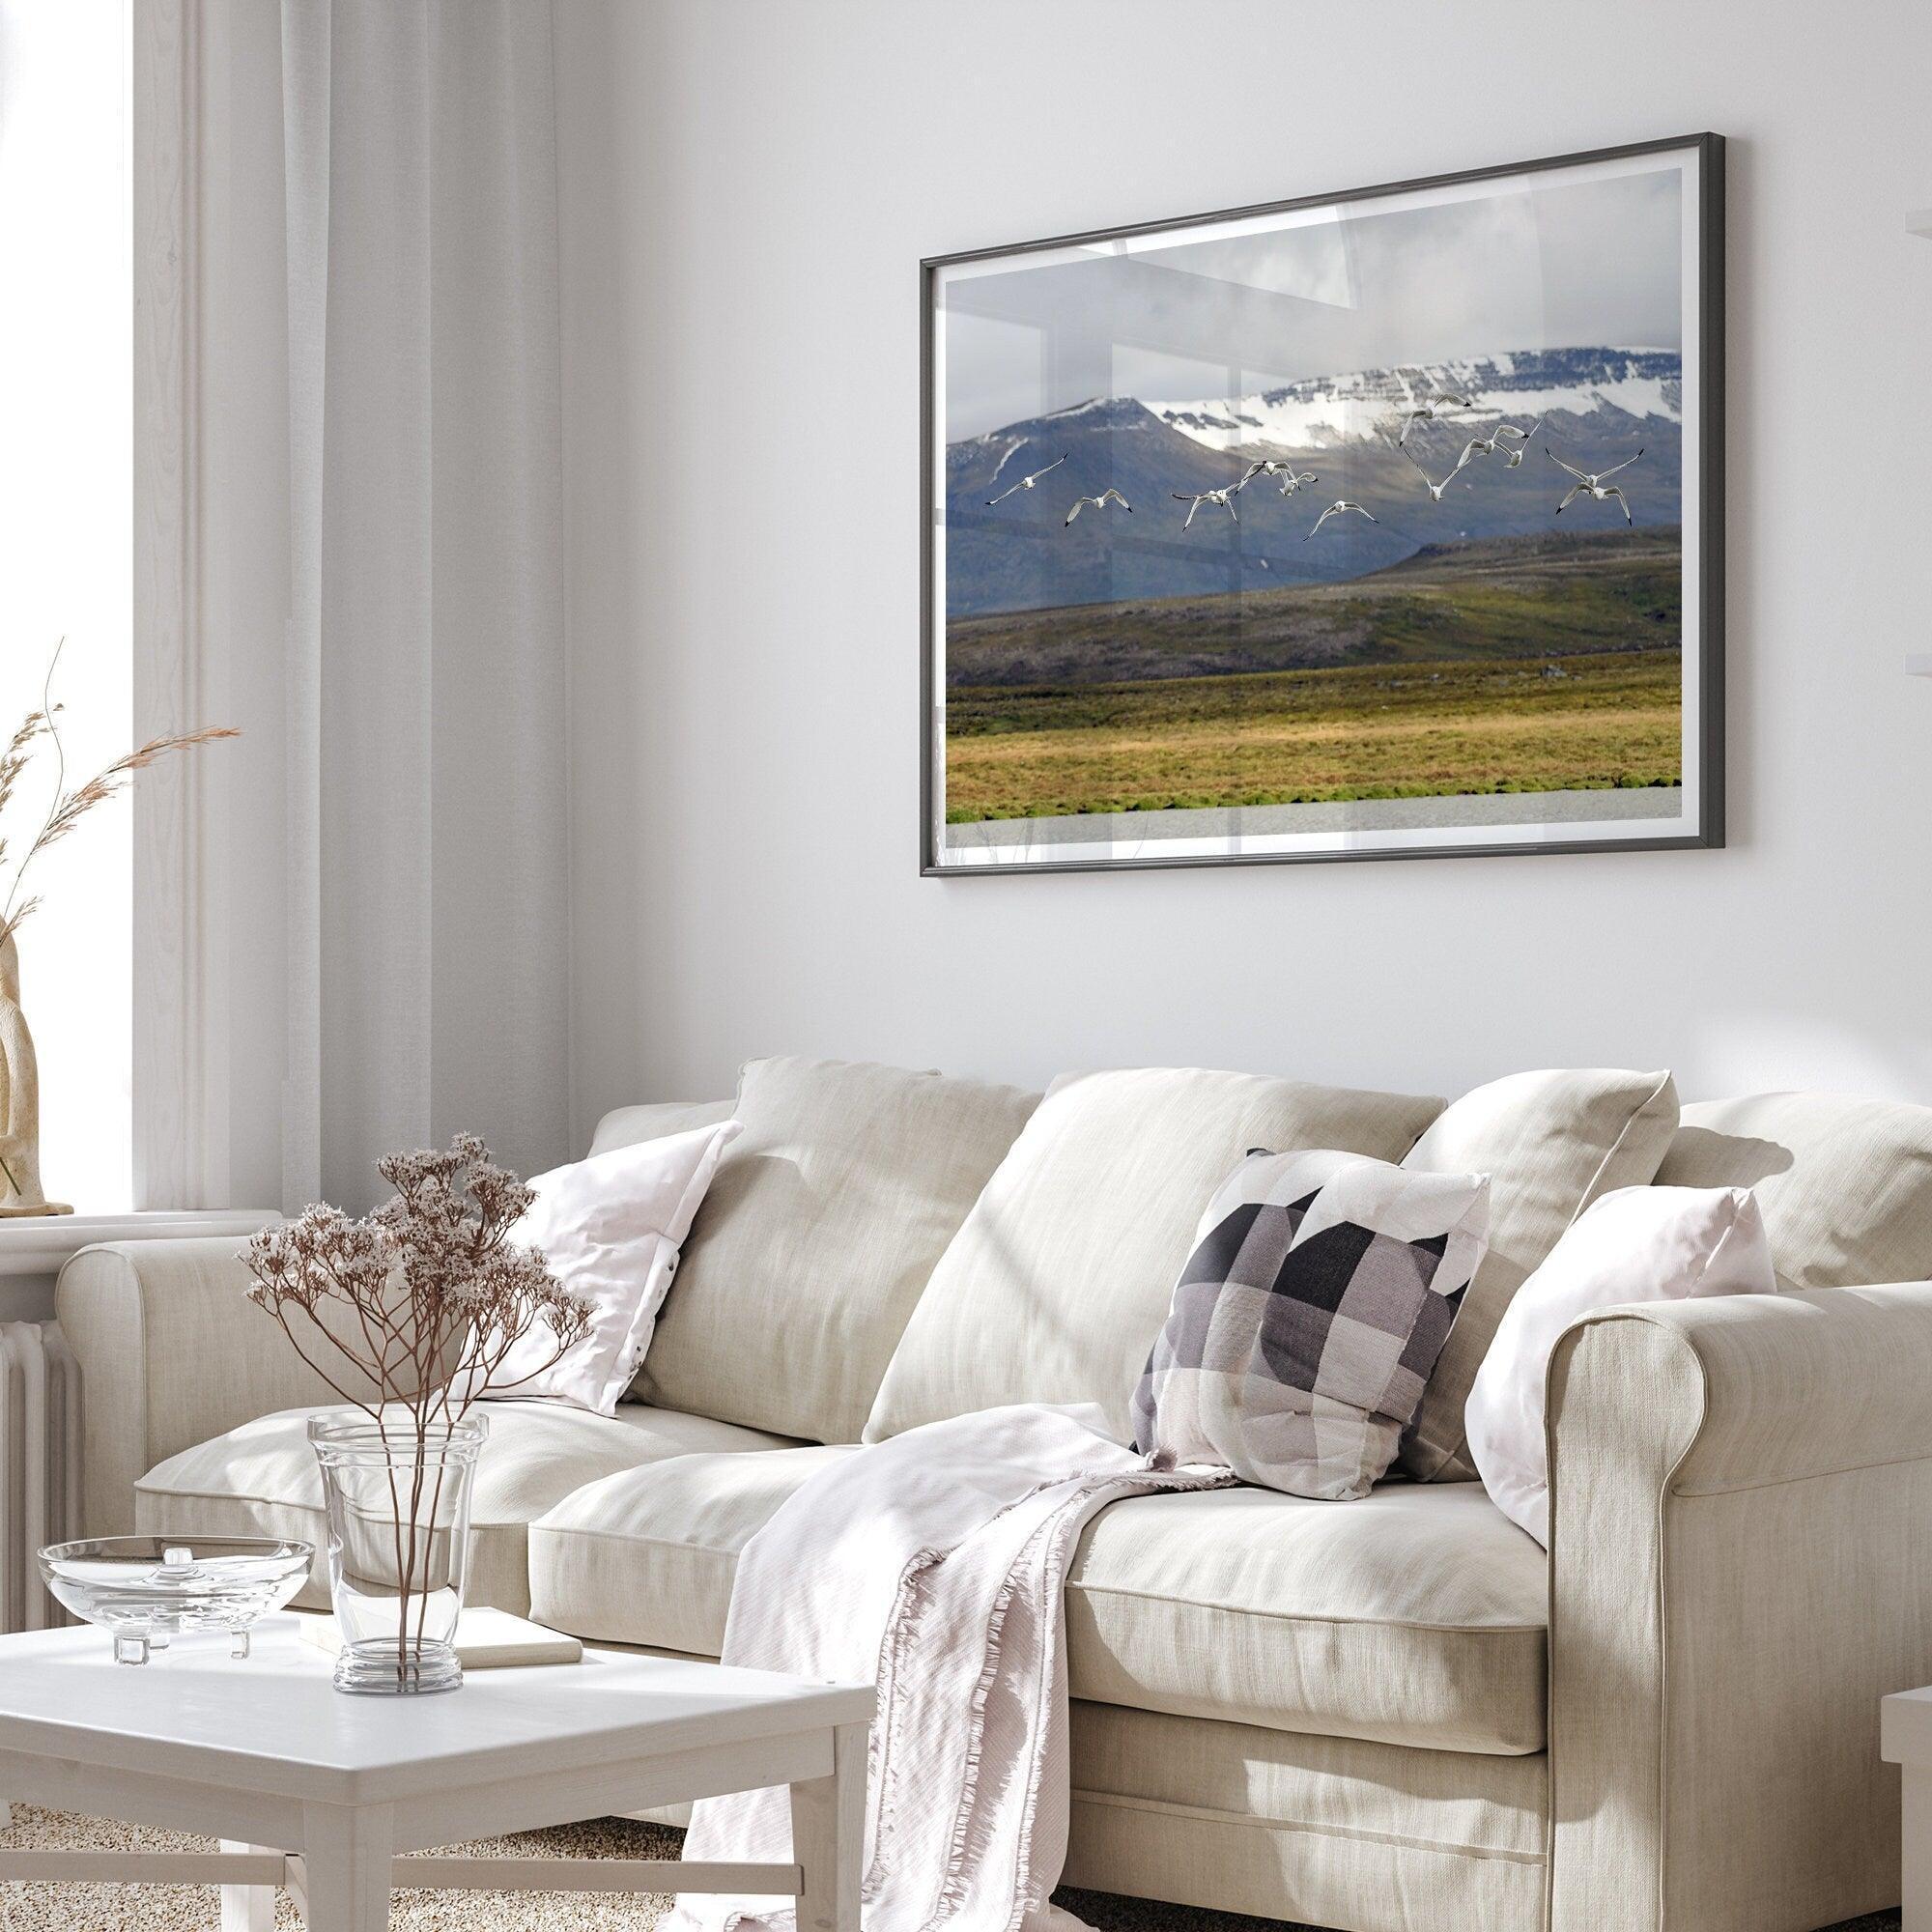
(485, 1639)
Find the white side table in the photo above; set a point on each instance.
(1905, 1738)
(312, 1790)
(33, 1249)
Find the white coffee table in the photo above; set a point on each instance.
(320, 1792)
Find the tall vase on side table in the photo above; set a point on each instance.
(20, 1191)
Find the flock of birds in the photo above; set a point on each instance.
(1508, 440)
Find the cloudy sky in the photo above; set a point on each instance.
(1586, 263)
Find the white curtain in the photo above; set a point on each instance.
(427, 914)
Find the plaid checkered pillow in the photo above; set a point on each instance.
(1305, 1323)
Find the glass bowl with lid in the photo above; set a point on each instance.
(146, 1590)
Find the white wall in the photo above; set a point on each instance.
(746, 186)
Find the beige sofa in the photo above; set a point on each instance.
(1396, 1715)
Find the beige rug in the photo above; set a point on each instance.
(118, 1907)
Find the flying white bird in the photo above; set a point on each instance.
(1100, 502)
(1272, 466)
(1435, 489)
(1593, 485)
(1221, 498)
(1335, 509)
(1024, 482)
(1430, 410)
(1516, 438)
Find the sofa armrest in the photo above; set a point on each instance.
(1741, 1567)
(171, 1352)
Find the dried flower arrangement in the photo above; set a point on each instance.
(436, 1291)
(69, 806)
(19, 1079)
(423, 1299)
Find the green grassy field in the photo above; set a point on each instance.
(1610, 718)
(1530, 664)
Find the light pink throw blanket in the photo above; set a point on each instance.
(933, 1563)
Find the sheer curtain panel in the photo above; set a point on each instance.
(423, 700)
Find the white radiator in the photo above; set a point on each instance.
(40, 1466)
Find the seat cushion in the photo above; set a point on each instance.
(261, 1480)
(1415, 1616)
(628, 1561)
(1844, 1184)
(817, 1235)
(1552, 1142)
(1060, 1278)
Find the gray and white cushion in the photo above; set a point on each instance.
(1320, 1293)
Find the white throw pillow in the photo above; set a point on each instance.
(1639, 1244)
(612, 1227)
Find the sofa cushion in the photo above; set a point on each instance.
(1415, 1616)
(825, 1219)
(1060, 1280)
(1306, 1321)
(1844, 1184)
(261, 1480)
(1639, 1244)
(1551, 1143)
(626, 1127)
(620, 1561)
(610, 1226)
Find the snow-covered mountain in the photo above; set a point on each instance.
(1596, 406)
(1326, 412)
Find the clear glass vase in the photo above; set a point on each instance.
(397, 1494)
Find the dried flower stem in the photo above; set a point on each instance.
(67, 809)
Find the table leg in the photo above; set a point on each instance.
(246, 1908)
(1918, 1850)
(828, 1832)
(346, 1853)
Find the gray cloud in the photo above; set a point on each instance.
(1530, 267)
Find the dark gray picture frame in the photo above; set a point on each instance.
(1706, 301)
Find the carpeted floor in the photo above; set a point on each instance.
(114, 1908)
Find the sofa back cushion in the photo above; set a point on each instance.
(1844, 1184)
(1060, 1280)
(817, 1237)
(628, 1126)
(1550, 1142)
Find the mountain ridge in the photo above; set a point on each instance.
(1596, 406)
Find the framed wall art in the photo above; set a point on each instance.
(1377, 525)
